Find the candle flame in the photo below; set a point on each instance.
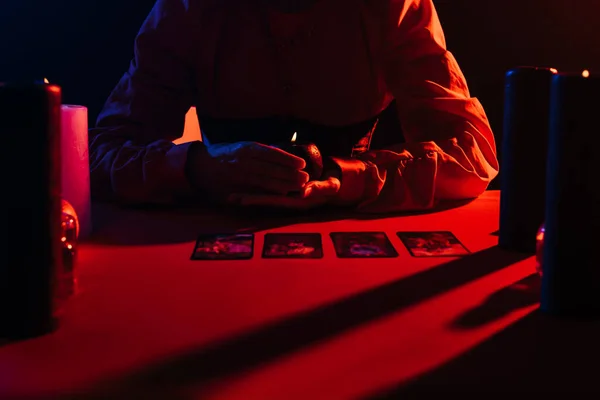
(554, 70)
(585, 74)
(294, 137)
(46, 81)
(540, 236)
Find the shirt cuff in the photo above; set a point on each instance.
(352, 189)
(178, 182)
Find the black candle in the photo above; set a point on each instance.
(31, 247)
(571, 267)
(523, 156)
(309, 152)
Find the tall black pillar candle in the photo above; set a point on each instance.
(523, 158)
(31, 248)
(570, 264)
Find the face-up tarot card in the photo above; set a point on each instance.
(433, 244)
(362, 245)
(234, 246)
(292, 245)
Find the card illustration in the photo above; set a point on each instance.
(362, 245)
(433, 244)
(235, 246)
(292, 245)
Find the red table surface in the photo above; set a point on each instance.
(150, 323)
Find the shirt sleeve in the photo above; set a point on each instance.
(132, 157)
(450, 150)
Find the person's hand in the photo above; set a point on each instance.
(244, 167)
(314, 194)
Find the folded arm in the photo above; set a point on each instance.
(450, 152)
(132, 158)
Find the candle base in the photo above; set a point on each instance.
(310, 154)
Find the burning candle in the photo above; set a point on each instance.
(309, 153)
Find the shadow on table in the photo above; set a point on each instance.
(277, 339)
(521, 294)
(539, 354)
(162, 225)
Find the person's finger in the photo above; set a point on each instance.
(275, 171)
(272, 155)
(385, 157)
(330, 187)
(325, 188)
(251, 180)
(306, 192)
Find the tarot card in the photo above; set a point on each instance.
(433, 244)
(362, 245)
(292, 245)
(227, 246)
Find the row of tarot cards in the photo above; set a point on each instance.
(240, 246)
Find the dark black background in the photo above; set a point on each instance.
(85, 45)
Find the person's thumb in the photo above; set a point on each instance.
(321, 188)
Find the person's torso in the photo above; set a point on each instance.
(267, 74)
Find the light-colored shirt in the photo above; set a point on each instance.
(338, 63)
